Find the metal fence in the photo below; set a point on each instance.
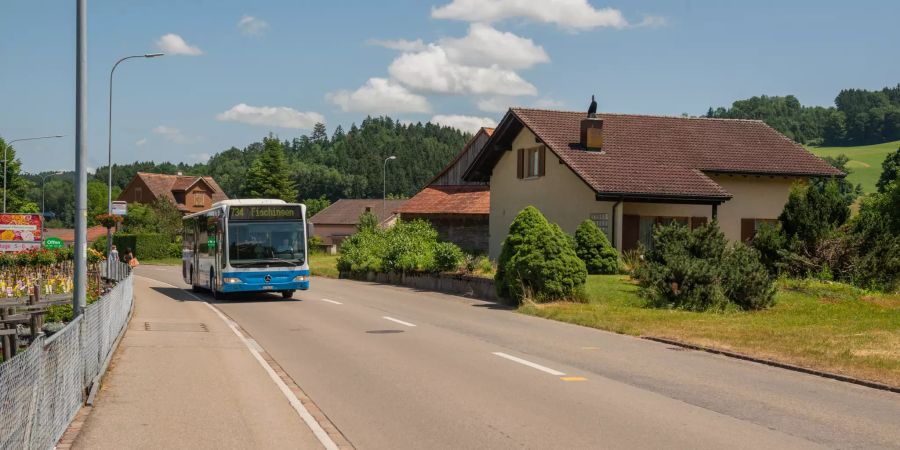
(43, 387)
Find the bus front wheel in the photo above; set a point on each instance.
(212, 285)
(287, 294)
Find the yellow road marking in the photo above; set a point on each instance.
(573, 378)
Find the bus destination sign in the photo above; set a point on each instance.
(273, 212)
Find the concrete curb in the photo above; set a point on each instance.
(781, 365)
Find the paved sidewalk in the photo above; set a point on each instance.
(182, 379)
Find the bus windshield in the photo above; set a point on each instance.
(256, 243)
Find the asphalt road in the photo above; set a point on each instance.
(398, 368)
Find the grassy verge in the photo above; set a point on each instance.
(161, 261)
(323, 265)
(825, 326)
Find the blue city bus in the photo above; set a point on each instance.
(251, 245)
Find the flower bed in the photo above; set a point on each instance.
(51, 270)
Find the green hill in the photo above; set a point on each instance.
(865, 161)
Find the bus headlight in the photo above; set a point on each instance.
(301, 278)
(230, 280)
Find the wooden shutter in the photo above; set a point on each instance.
(520, 163)
(747, 229)
(697, 222)
(631, 231)
(542, 158)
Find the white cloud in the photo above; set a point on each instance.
(399, 44)
(431, 70)
(175, 135)
(495, 104)
(252, 26)
(173, 44)
(549, 103)
(574, 14)
(141, 142)
(379, 96)
(274, 116)
(653, 22)
(485, 46)
(469, 124)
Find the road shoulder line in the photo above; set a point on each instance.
(281, 380)
(528, 363)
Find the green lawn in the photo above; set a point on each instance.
(865, 161)
(161, 262)
(323, 265)
(826, 326)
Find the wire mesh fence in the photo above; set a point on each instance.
(42, 387)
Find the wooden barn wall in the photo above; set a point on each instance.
(453, 176)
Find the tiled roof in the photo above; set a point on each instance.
(449, 200)
(162, 185)
(347, 211)
(67, 235)
(657, 155)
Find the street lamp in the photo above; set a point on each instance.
(109, 140)
(5, 147)
(384, 185)
(43, 213)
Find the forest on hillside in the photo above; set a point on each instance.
(344, 164)
(858, 117)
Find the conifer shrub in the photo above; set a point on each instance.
(538, 261)
(698, 270)
(592, 246)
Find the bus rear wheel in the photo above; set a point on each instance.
(287, 294)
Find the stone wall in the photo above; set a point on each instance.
(464, 285)
(469, 232)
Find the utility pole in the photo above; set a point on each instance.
(80, 295)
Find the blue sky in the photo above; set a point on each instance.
(279, 66)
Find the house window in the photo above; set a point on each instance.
(749, 227)
(179, 198)
(531, 162)
(534, 162)
(199, 199)
(138, 194)
(602, 221)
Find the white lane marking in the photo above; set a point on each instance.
(292, 399)
(332, 301)
(530, 364)
(398, 321)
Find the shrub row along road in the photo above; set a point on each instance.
(396, 368)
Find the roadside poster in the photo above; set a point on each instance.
(119, 208)
(20, 232)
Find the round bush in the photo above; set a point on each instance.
(447, 257)
(538, 261)
(594, 249)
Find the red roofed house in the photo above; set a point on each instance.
(339, 220)
(630, 172)
(188, 193)
(458, 209)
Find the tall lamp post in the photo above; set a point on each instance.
(384, 185)
(43, 210)
(109, 141)
(8, 144)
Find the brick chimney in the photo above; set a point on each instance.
(592, 129)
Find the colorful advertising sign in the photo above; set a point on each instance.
(20, 232)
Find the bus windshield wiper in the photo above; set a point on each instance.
(286, 261)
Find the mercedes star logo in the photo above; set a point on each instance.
(268, 278)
